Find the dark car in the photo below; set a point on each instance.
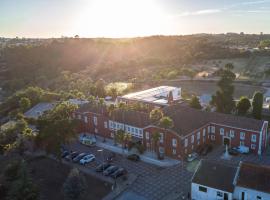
(199, 150)
(64, 154)
(102, 167)
(207, 148)
(71, 156)
(110, 170)
(120, 172)
(133, 157)
(233, 151)
(79, 157)
(111, 157)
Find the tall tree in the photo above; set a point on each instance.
(243, 105)
(223, 99)
(75, 185)
(156, 114)
(257, 104)
(195, 103)
(100, 85)
(166, 122)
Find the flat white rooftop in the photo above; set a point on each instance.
(155, 95)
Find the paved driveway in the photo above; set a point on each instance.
(156, 183)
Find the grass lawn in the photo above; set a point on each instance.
(50, 175)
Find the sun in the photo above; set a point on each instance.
(120, 18)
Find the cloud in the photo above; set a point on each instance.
(255, 2)
(199, 12)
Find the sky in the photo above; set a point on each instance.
(131, 18)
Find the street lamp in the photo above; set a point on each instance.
(101, 150)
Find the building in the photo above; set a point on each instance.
(191, 129)
(213, 181)
(154, 97)
(39, 109)
(216, 181)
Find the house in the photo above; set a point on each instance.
(39, 109)
(252, 182)
(191, 129)
(213, 181)
(216, 181)
(154, 97)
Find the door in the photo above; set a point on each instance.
(226, 196)
(226, 141)
(243, 196)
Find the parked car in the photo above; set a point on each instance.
(72, 156)
(64, 154)
(199, 150)
(242, 149)
(207, 148)
(232, 151)
(192, 157)
(133, 157)
(79, 157)
(87, 140)
(102, 167)
(120, 172)
(110, 170)
(87, 159)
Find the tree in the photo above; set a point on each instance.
(22, 187)
(57, 128)
(75, 185)
(156, 114)
(195, 103)
(223, 99)
(257, 104)
(100, 85)
(156, 138)
(166, 122)
(113, 92)
(120, 138)
(243, 105)
(25, 104)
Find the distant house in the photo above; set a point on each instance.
(216, 181)
(39, 109)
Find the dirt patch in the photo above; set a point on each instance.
(50, 175)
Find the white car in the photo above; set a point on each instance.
(87, 159)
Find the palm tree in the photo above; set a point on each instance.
(156, 137)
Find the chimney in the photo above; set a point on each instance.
(170, 98)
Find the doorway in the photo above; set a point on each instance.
(226, 141)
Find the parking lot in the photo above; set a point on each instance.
(158, 183)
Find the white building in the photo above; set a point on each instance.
(215, 181)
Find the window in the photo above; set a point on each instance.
(253, 138)
(202, 189)
(209, 129)
(242, 143)
(161, 150)
(132, 130)
(232, 133)
(147, 135)
(112, 135)
(192, 139)
(242, 135)
(79, 117)
(253, 146)
(213, 137)
(221, 131)
(140, 132)
(95, 120)
(203, 132)
(105, 125)
(213, 129)
(198, 135)
(174, 142)
(161, 138)
(186, 142)
(136, 130)
(85, 119)
(96, 131)
(174, 151)
(219, 194)
(128, 128)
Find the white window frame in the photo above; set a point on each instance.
(186, 142)
(105, 125)
(213, 137)
(85, 119)
(174, 142)
(161, 139)
(209, 129)
(204, 132)
(232, 133)
(221, 131)
(192, 139)
(253, 146)
(174, 151)
(213, 129)
(95, 120)
(199, 135)
(147, 136)
(242, 135)
(253, 138)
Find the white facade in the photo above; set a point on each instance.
(200, 192)
(134, 131)
(249, 194)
